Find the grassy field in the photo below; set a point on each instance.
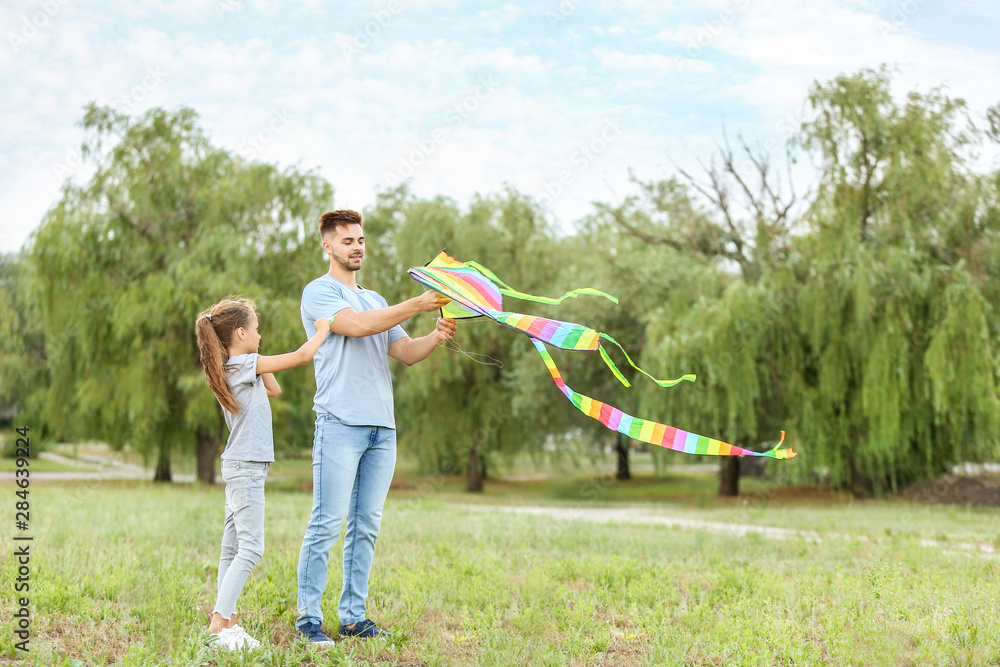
(124, 573)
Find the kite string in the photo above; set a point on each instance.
(455, 347)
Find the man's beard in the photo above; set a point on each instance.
(345, 263)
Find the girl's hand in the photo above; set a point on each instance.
(322, 324)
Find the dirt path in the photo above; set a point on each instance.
(649, 516)
(92, 467)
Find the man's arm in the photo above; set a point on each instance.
(411, 350)
(349, 322)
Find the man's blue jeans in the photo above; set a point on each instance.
(352, 470)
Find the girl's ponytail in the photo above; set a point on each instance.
(214, 329)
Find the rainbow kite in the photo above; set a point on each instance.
(476, 292)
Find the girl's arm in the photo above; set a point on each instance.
(272, 386)
(300, 357)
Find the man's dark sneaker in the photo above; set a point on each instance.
(365, 628)
(313, 633)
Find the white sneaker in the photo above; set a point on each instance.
(242, 638)
(224, 639)
(235, 638)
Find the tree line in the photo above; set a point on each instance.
(859, 316)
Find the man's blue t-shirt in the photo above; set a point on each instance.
(352, 374)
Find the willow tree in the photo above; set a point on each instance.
(121, 265)
(715, 242)
(460, 408)
(646, 278)
(21, 348)
(898, 275)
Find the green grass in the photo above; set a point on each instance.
(124, 573)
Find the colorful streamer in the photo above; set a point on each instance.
(654, 433)
(476, 292)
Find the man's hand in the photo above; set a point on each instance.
(430, 301)
(445, 329)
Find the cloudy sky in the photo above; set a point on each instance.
(558, 98)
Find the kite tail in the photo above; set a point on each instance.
(781, 450)
(689, 377)
(507, 290)
(644, 430)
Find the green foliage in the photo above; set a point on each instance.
(896, 289)
(22, 359)
(120, 267)
(711, 307)
(651, 281)
(866, 328)
(732, 341)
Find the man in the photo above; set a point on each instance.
(354, 446)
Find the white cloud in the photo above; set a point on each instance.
(986, 8)
(497, 19)
(643, 62)
(789, 50)
(357, 119)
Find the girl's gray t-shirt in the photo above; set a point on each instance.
(250, 434)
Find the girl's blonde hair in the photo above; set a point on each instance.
(215, 329)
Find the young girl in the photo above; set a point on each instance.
(242, 380)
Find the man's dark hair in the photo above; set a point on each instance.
(330, 220)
